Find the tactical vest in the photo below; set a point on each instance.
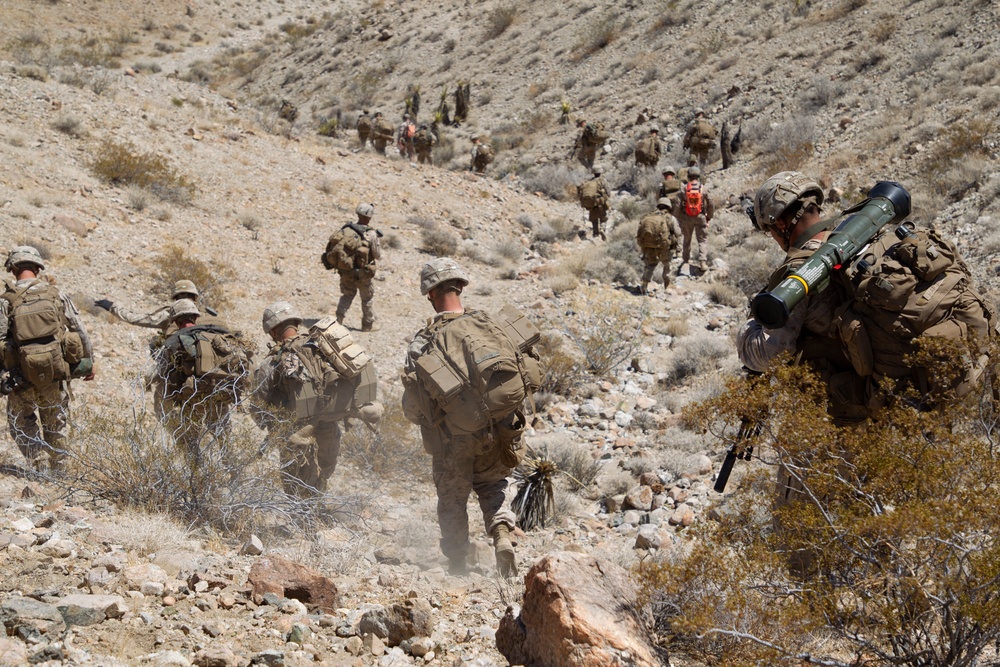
(206, 357)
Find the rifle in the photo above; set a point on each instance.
(888, 202)
(739, 450)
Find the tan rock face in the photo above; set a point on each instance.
(576, 613)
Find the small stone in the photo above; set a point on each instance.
(373, 644)
(201, 587)
(271, 658)
(215, 656)
(211, 629)
(169, 601)
(252, 547)
(90, 609)
(421, 646)
(227, 600)
(640, 498)
(354, 645)
(137, 575)
(682, 516)
(152, 588)
(648, 537)
(299, 634)
(293, 607)
(22, 525)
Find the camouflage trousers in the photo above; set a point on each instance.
(702, 150)
(653, 257)
(598, 216)
(379, 143)
(363, 139)
(309, 457)
(196, 420)
(586, 155)
(698, 226)
(424, 156)
(462, 465)
(37, 418)
(351, 285)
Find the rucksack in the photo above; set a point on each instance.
(704, 131)
(409, 130)
(590, 193)
(693, 199)
(209, 353)
(484, 154)
(383, 128)
(645, 151)
(594, 134)
(39, 343)
(341, 377)
(423, 138)
(352, 246)
(365, 124)
(653, 231)
(477, 369)
(907, 284)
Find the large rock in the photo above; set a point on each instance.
(27, 617)
(137, 575)
(274, 574)
(216, 656)
(12, 652)
(640, 498)
(578, 612)
(90, 609)
(401, 621)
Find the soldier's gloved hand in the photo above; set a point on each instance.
(104, 304)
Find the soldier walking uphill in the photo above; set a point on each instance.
(590, 138)
(700, 137)
(201, 373)
(482, 155)
(469, 412)
(694, 210)
(44, 345)
(405, 134)
(318, 378)
(381, 133)
(671, 185)
(657, 237)
(423, 143)
(648, 149)
(354, 251)
(364, 126)
(595, 198)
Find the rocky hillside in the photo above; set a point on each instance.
(849, 91)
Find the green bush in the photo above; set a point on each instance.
(122, 164)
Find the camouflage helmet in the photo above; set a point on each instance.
(24, 254)
(365, 210)
(779, 192)
(279, 313)
(441, 270)
(581, 122)
(694, 172)
(182, 307)
(654, 128)
(182, 287)
(692, 159)
(664, 202)
(597, 170)
(669, 170)
(698, 111)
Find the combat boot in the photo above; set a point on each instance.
(644, 289)
(504, 552)
(370, 326)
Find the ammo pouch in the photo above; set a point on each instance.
(857, 343)
(448, 389)
(509, 436)
(42, 363)
(72, 348)
(337, 346)
(8, 354)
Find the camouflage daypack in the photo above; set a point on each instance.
(352, 246)
(383, 128)
(704, 134)
(477, 370)
(594, 134)
(39, 344)
(654, 231)
(423, 139)
(645, 151)
(365, 124)
(208, 355)
(907, 284)
(484, 155)
(591, 194)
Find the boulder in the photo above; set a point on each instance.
(399, 622)
(216, 656)
(12, 652)
(578, 611)
(252, 547)
(284, 578)
(137, 575)
(640, 498)
(82, 609)
(27, 617)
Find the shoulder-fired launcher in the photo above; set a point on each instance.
(887, 202)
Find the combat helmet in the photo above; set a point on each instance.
(654, 128)
(669, 170)
(183, 287)
(365, 210)
(182, 307)
(694, 172)
(24, 254)
(441, 270)
(597, 170)
(779, 192)
(665, 202)
(278, 313)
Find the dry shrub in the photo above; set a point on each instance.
(393, 447)
(560, 369)
(128, 458)
(555, 229)
(438, 241)
(69, 124)
(675, 326)
(726, 295)
(606, 329)
(509, 249)
(596, 34)
(696, 356)
(137, 197)
(751, 264)
(210, 278)
(573, 460)
(789, 146)
(557, 181)
(123, 164)
(499, 19)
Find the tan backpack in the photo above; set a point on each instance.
(39, 343)
(653, 232)
(352, 246)
(477, 369)
(645, 151)
(383, 128)
(591, 194)
(209, 353)
(337, 346)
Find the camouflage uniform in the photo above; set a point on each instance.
(379, 139)
(696, 225)
(670, 185)
(364, 126)
(404, 143)
(358, 273)
(482, 156)
(462, 464)
(585, 151)
(598, 215)
(196, 409)
(423, 143)
(653, 140)
(700, 137)
(37, 417)
(660, 252)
